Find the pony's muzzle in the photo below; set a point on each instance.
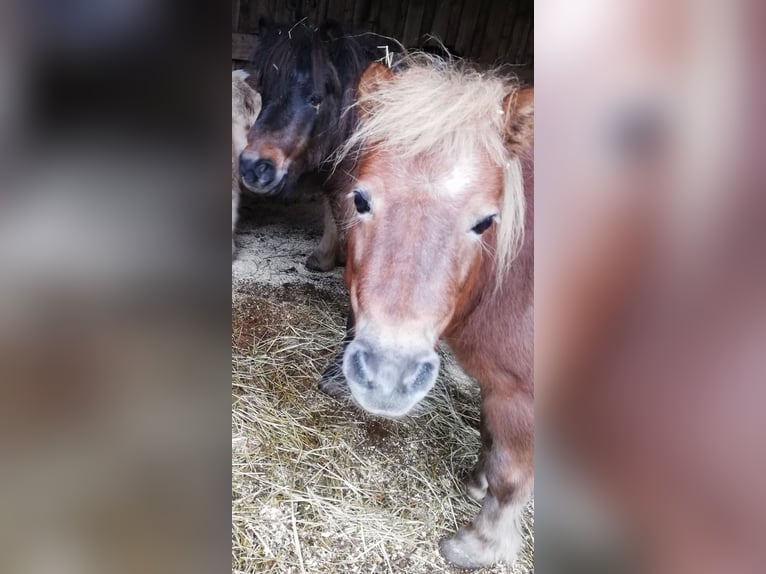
(257, 173)
(261, 174)
(388, 382)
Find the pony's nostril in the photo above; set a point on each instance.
(359, 368)
(264, 171)
(245, 166)
(424, 375)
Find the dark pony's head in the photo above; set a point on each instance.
(306, 77)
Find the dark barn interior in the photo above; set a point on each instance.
(485, 31)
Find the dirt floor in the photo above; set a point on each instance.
(317, 485)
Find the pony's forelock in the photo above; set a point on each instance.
(446, 108)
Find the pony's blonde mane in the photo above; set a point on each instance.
(449, 109)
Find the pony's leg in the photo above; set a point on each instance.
(494, 535)
(476, 485)
(323, 257)
(333, 381)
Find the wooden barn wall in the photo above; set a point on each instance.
(486, 31)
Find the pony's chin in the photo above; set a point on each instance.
(383, 409)
(269, 191)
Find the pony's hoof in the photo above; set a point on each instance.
(333, 381)
(320, 262)
(463, 551)
(469, 549)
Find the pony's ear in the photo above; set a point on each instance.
(519, 109)
(373, 75)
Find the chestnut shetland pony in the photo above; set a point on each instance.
(440, 247)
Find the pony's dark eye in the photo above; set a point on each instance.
(315, 100)
(361, 202)
(483, 225)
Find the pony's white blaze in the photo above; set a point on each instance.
(458, 181)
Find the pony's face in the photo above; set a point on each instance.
(422, 227)
(433, 227)
(245, 106)
(299, 90)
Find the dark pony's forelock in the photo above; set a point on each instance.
(335, 61)
(280, 51)
(283, 49)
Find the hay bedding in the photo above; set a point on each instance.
(317, 485)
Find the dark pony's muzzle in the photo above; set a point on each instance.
(259, 174)
(389, 382)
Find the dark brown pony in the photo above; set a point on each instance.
(307, 77)
(440, 248)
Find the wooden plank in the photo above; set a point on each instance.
(309, 9)
(242, 46)
(361, 13)
(234, 15)
(523, 53)
(428, 17)
(415, 10)
(335, 9)
(531, 43)
(441, 20)
(296, 9)
(480, 30)
(279, 12)
(467, 26)
(524, 35)
(505, 38)
(389, 14)
(491, 41)
(348, 15)
(456, 11)
(286, 11)
(513, 46)
(373, 18)
(321, 14)
(257, 9)
(399, 27)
